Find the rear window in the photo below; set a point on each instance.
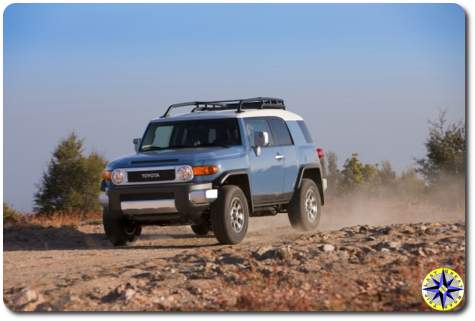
(280, 131)
(305, 131)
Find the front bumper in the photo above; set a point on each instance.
(183, 198)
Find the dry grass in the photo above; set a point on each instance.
(56, 219)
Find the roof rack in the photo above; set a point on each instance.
(232, 104)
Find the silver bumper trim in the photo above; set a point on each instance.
(203, 196)
(148, 207)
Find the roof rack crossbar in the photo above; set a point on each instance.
(230, 104)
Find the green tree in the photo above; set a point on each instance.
(387, 175)
(445, 150)
(352, 174)
(332, 173)
(370, 174)
(410, 186)
(71, 183)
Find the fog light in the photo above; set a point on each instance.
(203, 196)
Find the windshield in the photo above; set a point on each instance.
(191, 133)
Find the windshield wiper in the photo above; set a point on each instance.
(150, 148)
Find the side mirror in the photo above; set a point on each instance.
(261, 139)
(136, 142)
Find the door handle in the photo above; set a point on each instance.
(279, 156)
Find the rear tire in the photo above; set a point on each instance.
(230, 215)
(305, 208)
(201, 229)
(118, 230)
(132, 230)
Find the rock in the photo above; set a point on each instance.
(384, 230)
(27, 300)
(327, 248)
(394, 245)
(387, 245)
(284, 252)
(361, 229)
(262, 252)
(25, 296)
(128, 294)
(227, 258)
(266, 270)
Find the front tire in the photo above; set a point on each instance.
(118, 230)
(305, 209)
(230, 215)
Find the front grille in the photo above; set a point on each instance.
(147, 196)
(151, 176)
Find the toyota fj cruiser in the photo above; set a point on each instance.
(213, 168)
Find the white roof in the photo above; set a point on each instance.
(284, 114)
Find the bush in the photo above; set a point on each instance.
(10, 215)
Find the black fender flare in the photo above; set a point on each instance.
(318, 179)
(221, 180)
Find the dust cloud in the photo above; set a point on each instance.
(443, 203)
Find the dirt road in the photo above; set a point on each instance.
(171, 269)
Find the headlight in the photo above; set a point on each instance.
(118, 176)
(184, 173)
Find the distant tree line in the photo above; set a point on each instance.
(444, 160)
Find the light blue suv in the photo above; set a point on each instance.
(213, 168)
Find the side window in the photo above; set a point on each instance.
(280, 131)
(257, 124)
(305, 131)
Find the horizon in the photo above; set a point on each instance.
(367, 78)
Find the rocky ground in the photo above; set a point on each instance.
(358, 268)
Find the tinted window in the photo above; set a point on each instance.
(305, 131)
(258, 124)
(191, 133)
(280, 131)
(162, 136)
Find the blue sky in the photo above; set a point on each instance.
(365, 77)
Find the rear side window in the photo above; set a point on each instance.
(305, 131)
(280, 131)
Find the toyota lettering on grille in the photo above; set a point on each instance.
(150, 175)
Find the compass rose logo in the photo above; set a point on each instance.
(442, 289)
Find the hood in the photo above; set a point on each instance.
(185, 156)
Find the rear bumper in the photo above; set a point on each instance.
(188, 200)
(324, 184)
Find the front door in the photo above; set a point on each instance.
(266, 169)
